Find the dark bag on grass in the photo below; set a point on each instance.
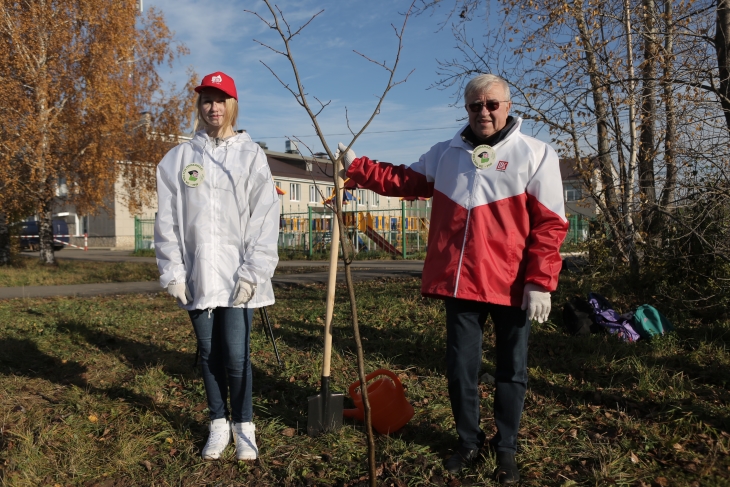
(650, 322)
(605, 316)
(578, 317)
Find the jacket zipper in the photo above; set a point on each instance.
(212, 209)
(466, 234)
(468, 219)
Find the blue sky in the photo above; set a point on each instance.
(221, 36)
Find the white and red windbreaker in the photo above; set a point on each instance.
(492, 230)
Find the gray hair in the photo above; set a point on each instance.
(482, 83)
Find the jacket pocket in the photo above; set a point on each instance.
(228, 261)
(198, 280)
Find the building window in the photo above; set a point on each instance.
(362, 197)
(573, 194)
(313, 193)
(376, 199)
(295, 192)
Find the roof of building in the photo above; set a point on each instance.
(298, 166)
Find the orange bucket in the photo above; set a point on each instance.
(389, 408)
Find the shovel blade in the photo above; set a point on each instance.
(325, 413)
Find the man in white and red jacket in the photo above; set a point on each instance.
(497, 223)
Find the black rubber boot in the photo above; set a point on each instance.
(507, 471)
(461, 459)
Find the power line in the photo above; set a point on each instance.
(365, 133)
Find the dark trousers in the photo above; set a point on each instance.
(465, 327)
(224, 341)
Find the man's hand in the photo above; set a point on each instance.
(536, 300)
(349, 155)
(179, 291)
(243, 292)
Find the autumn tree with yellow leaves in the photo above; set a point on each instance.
(81, 104)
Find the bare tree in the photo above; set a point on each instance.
(628, 90)
(287, 33)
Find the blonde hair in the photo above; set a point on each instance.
(229, 119)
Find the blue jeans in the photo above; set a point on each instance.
(224, 340)
(464, 329)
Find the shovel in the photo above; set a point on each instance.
(325, 408)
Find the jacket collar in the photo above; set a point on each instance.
(201, 139)
(457, 141)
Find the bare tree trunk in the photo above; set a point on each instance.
(347, 255)
(722, 46)
(4, 240)
(604, 148)
(628, 189)
(605, 164)
(670, 160)
(647, 138)
(47, 182)
(45, 232)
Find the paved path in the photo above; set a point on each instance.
(363, 270)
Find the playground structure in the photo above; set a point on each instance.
(398, 231)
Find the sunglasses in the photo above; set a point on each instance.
(492, 105)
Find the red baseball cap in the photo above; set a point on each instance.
(220, 81)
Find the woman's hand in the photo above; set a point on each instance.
(243, 292)
(179, 291)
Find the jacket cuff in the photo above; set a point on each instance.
(177, 274)
(246, 274)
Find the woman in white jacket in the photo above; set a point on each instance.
(215, 239)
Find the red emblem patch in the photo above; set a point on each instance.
(502, 165)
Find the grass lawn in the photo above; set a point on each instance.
(28, 271)
(101, 392)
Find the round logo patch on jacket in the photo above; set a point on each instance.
(193, 175)
(483, 156)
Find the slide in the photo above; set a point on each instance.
(380, 241)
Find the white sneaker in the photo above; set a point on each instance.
(244, 436)
(218, 439)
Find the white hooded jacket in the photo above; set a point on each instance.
(220, 226)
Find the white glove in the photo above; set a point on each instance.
(537, 302)
(243, 292)
(179, 291)
(349, 155)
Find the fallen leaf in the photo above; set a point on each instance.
(678, 447)
(661, 481)
(634, 458)
(290, 432)
(146, 464)
(169, 440)
(292, 379)
(93, 418)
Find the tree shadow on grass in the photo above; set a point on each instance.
(622, 364)
(23, 357)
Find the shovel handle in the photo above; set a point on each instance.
(331, 284)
